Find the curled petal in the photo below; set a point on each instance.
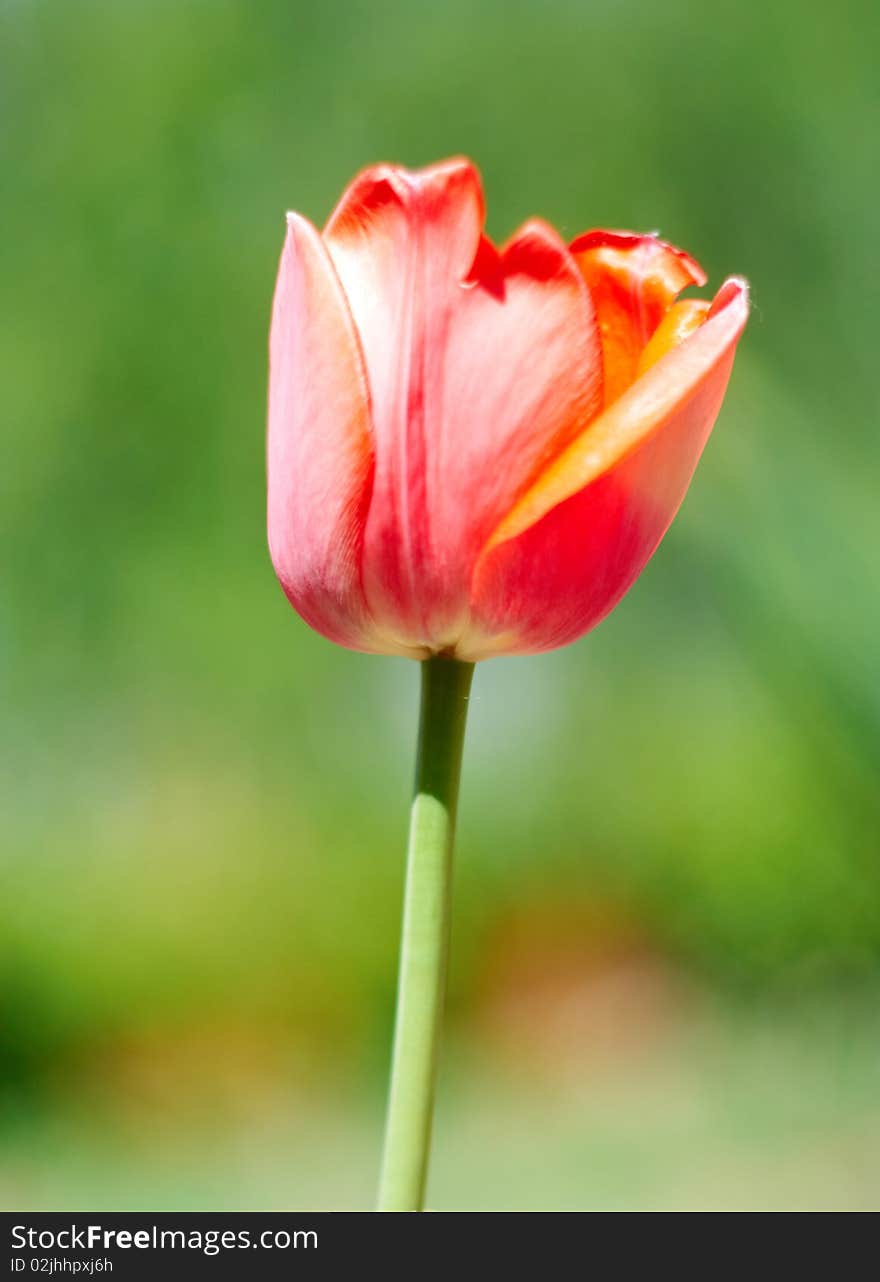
(681, 320)
(319, 451)
(482, 365)
(633, 280)
(575, 543)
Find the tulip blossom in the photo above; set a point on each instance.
(474, 451)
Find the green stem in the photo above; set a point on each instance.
(424, 945)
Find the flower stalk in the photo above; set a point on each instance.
(425, 936)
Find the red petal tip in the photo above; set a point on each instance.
(601, 237)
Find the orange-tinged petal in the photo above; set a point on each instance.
(574, 544)
(319, 449)
(633, 280)
(679, 322)
(481, 364)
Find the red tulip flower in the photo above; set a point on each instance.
(472, 451)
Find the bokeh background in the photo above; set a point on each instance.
(666, 952)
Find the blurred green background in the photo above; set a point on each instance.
(666, 952)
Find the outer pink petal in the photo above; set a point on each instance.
(481, 367)
(320, 455)
(576, 543)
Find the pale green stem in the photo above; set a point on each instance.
(424, 945)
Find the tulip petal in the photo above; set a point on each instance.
(319, 450)
(482, 365)
(633, 280)
(681, 320)
(576, 542)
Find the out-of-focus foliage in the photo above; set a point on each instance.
(203, 803)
